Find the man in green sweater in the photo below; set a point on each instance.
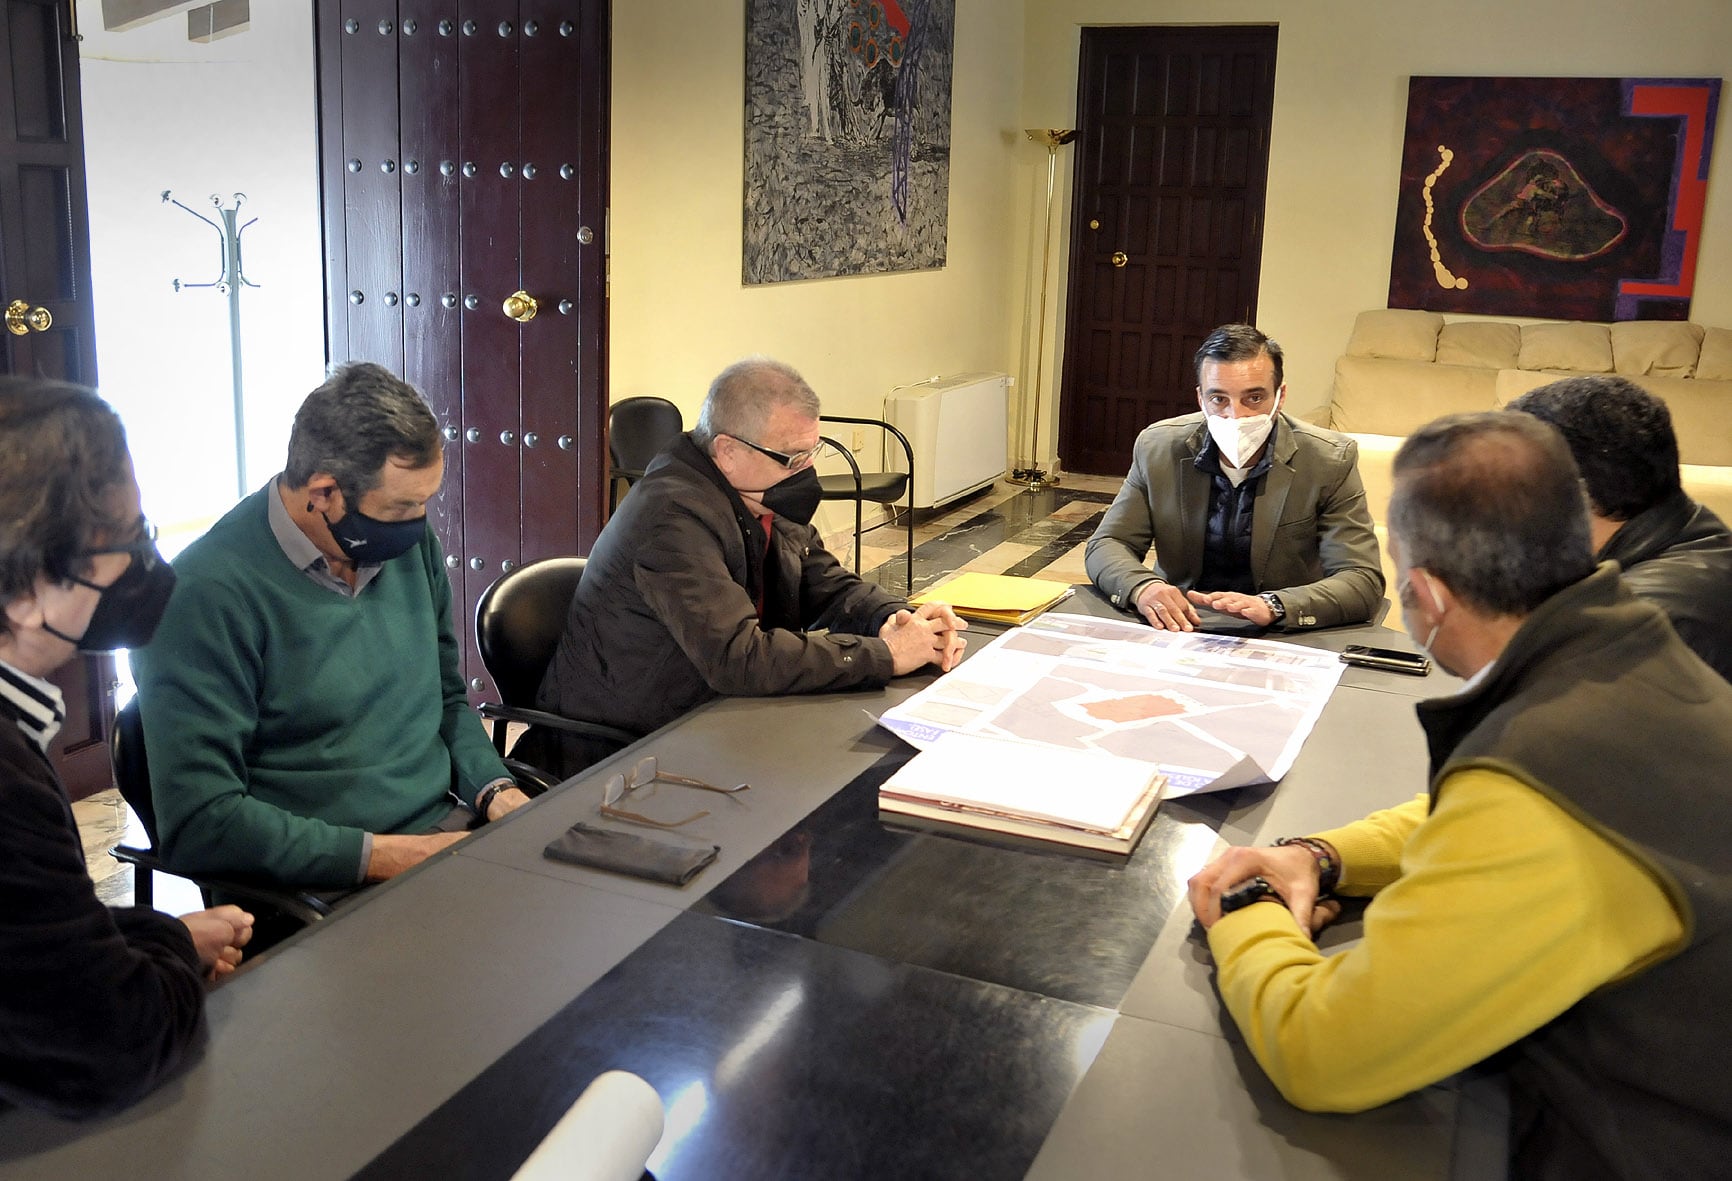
(301, 701)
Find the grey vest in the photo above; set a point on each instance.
(1597, 705)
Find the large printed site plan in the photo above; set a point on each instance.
(1212, 712)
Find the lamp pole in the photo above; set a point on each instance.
(1036, 477)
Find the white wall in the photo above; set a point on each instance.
(234, 116)
(678, 308)
(1340, 107)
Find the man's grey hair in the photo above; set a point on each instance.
(1492, 504)
(745, 394)
(361, 417)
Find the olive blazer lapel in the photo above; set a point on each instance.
(1272, 501)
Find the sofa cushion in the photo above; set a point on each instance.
(1513, 383)
(1711, 486)
(1396, 334)
(1701, 416)
(1375, 395)
(1656, 348)
(1486, 343)
(1573, 348)
(1715, 363)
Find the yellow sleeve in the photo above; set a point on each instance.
(1370, 849)
(1506, 912)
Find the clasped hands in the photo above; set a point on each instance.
(1167, 607)
(930, 634)
(1290, 869)
(219, 934)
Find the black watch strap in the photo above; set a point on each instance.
(1250, 890)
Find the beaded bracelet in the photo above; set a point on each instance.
(1328, 868)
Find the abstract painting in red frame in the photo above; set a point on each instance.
(1564, 198)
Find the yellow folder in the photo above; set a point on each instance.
(997, 598)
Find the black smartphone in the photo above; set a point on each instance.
(1394, 661)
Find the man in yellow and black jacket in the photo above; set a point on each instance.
(1564, 891)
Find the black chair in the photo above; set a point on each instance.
(884, 488)
(132, 776)
(518, 623)
(638, 429)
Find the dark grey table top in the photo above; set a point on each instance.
(913, 1005)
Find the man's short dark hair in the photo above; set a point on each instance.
(1621, 436)
(1238, 342)
(1492, 504)
(62, 454)
(745, 394)
(363, 416)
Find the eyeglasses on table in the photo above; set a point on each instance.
(645, 772)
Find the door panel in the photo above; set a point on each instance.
(1170, 173)
(45, 261)
(496, 121)
(371, 197)
(431, 245)
(492, 362)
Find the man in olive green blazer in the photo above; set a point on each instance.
(1249, 512)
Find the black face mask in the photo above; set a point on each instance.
(795, 498)
(130, 608)
(372, 541)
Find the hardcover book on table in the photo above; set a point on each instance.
(1085, 799)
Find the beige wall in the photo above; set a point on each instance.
(1340, 104)
(679, 311)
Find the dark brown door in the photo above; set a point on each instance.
(464, 151)
(1167, 223)
(45, 280)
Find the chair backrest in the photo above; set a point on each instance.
(639, 429)
(518, 623)
(131, 768)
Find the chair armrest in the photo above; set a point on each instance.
(535, 717)
(532, 780)
(303, 908)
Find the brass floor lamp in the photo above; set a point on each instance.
(1053, 138)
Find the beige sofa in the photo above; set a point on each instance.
(1405, 368)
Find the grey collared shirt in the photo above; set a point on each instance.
(300, 550)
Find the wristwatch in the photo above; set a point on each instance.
(1274, 601)
(1250, 890)
(484, 801)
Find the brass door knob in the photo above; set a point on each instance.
(22, 319)
(521, 306)
(1120, 258)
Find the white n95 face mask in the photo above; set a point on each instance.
(1240, 438)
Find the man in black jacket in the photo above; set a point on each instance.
(97, 1005)
(711, 580)
(1674, 552)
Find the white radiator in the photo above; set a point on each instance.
(958, 427)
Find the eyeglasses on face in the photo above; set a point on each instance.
(793, 461)
(644, 772)
(142, 548)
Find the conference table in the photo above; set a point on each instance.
(834, 997)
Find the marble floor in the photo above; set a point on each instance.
(1004, 529)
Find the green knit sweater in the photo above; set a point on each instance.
(283, 720)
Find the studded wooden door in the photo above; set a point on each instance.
(45, 286)
(464, 153)
(1167, 223)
